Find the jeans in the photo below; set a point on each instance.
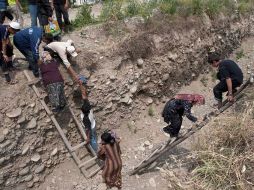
(6, 65)
(93, 140)
(222, 87)
(59, 12)
(33, 9)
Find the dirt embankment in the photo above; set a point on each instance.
(130, 65)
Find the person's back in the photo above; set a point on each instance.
(228, 68)
(50, 72)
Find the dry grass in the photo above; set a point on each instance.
(226, 156)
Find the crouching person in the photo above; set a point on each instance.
(177, 107)
(53, 81)
(89, 124)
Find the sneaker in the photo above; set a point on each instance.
(36, 74)
(166, 130)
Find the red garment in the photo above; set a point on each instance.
(193, 98)
(50, 73)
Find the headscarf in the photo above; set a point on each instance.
(193, 98)
(46, 57)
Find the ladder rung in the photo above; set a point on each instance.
(83, 164)
(77, 146)
(94, 172)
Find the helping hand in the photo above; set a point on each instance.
(230, 98)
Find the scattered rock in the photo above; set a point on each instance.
(5, 131)
(39, 169)
(54, 152)
(24, 171)
(149, 101)
(140, 62)
(126, 100)
(109, 106)
(25, 149)
(2, 137)
(15, 113)
(2, 160)
(165, 77)
(32, 124)
(30, 184)
(36, 158)
(134, 89)
(21, 120)
(152, 182)
(29, 178)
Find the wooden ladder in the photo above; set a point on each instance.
(158, 152)
(90, 161)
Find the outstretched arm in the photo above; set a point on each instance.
(187, 112)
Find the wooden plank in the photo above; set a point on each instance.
(77, 146)
(94, 172)
(87, 162)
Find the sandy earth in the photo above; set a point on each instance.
(66, 175)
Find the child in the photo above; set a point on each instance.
(89, 124)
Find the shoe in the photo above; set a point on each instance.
(56, 110)
(7, 77)
(36, 74)
(30, 68)
(166, 130)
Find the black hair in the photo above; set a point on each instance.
(213, 57)
(108, 138)
(86, 107)
(48, 37)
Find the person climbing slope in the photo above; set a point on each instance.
(230, 76)
(177, 107)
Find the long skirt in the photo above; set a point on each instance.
(56, 94)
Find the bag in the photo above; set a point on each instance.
(53, 28)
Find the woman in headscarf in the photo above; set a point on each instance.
(110, 152)
(177, 107)
(53, 81)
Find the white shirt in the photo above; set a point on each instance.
(91, 118)
(60, 49)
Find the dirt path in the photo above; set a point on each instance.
(147, 129)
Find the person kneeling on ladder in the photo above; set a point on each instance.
(177, 107)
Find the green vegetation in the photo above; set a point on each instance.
(239, 54)
(83, 17)
(121, 9)
(151, 111)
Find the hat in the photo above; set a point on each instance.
(71, 50)
(194, 98)
(15, 25)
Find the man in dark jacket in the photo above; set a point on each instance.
(27, 42)
(177, 107)
(61, 8)
(229, 74)
(45, 12)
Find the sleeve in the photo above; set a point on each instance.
(224, 74)
(187, 112)
(35, 41)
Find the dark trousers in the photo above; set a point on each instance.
(222, 87)
(6, 65)
(4, 14)
(176, 120)
(61, 12)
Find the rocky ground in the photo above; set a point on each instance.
(133, 69)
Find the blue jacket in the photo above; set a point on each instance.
(3, 5)
(29, 39)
